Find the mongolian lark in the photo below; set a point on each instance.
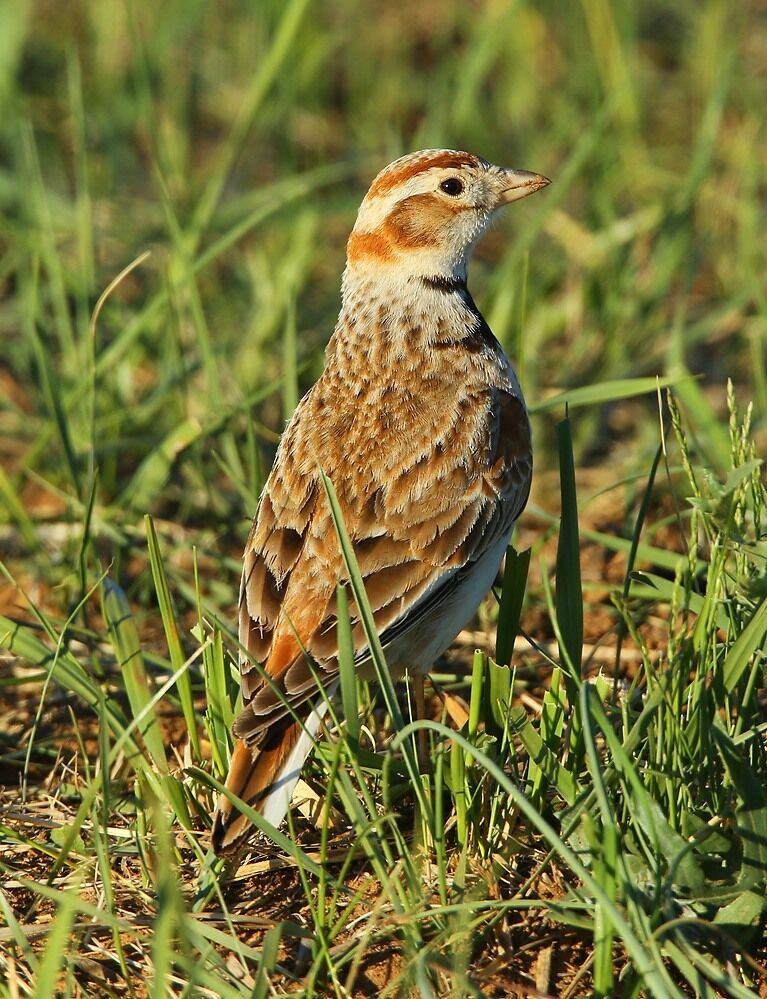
(419, 422)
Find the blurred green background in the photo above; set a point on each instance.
(234, 140)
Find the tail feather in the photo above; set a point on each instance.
(264, 778)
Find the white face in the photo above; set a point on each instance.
(426, 211)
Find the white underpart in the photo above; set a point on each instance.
(277, 802)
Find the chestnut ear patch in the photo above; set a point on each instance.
(415, 222)
(420, 220)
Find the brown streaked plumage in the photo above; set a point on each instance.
(420, 423)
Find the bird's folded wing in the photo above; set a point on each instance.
(413, 536)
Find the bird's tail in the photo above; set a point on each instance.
(265, 777)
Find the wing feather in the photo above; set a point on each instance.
(416, 531)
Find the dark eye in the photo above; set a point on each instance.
(452, 186)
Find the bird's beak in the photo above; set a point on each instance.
(516, 184)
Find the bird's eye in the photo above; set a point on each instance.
(452, 186)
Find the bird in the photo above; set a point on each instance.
(419, 421)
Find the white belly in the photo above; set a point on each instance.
(419, 647)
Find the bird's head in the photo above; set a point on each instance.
(425, 212)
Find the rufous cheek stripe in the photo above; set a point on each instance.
(369, 245)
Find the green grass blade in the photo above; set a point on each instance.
(54, 956)
(748, 643)
(16, 509)
(218, 710)
(170, 627)
(551, 726)
(602, 392)
(510, 607)
(347, 671)
(569, 592)
(127, 648)
(477, 691)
